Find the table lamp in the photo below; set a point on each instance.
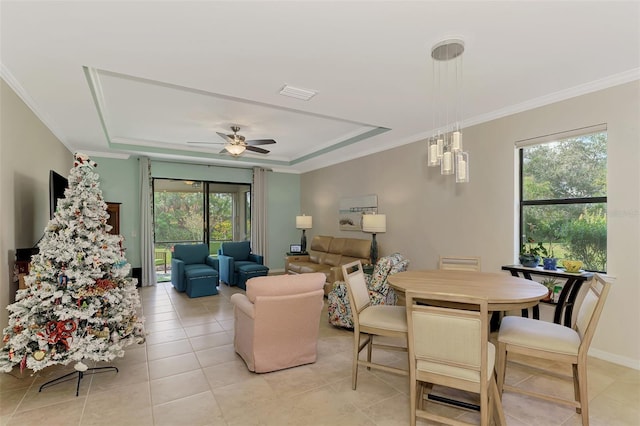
(375, 224)
(304, 222)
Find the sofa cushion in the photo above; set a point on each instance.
(337, 245)
(332, 259)
(314, 267)
(199, 270)
(321, 243)
(316, 256)
(239, 250)
(241, 263)
(357, 248)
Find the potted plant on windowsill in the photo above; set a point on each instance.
(531, 251)
(550, 262)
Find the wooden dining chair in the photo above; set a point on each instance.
(459, 263)
(450, 347)
(556, 343)
(370, 321)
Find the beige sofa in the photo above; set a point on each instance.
(327, 255)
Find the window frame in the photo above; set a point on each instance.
(521, 146)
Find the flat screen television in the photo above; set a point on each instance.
(57, 185)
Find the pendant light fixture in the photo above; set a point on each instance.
(445, 146)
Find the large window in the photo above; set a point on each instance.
(187, 212)
(563, 196)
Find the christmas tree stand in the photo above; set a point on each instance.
(81, 370)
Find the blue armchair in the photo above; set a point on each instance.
(238, 264)
(193, 270)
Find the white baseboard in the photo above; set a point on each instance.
(616, 359)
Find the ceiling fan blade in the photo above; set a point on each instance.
(256, 149)
(260, 142)
(225, 137)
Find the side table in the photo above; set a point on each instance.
(568, 295)
(297, 254)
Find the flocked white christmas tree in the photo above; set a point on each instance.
(80, 303)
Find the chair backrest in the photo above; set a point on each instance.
(239, 250)
(453, 337)
(591, 308)
(459, 263)
(356, 285)
(284, 285)
(191, 253)
(385, 266)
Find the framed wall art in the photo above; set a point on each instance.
(351, 209)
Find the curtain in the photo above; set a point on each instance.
(259, 212)
(146, 224)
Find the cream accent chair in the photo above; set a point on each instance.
(450, 347)
(370, 321)
(556, 343)
(458, 263)
(278, 320)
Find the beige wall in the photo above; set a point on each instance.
(28, 150)
(428, 214)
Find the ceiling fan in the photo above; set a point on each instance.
(236, 144)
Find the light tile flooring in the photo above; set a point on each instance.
(187, 373)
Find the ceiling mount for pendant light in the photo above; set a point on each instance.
(447, 50)
(445, 147)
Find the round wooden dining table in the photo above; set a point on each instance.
(502, 291)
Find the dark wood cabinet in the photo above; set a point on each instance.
(114, 217)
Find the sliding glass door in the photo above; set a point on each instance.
(189, 212)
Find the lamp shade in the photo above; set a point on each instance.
(304, 222)
(374, 223)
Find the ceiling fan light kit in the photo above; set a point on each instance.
(236, 144)
(235, 149)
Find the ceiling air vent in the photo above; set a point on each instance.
(295, 92)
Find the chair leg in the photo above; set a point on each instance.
(576, 385)
(499, 413)
(356, 353)
(484, 407)
(501, 359)
(413, 395)
(584, 398)
(369, 350)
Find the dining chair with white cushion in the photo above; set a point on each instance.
(450, 347)
(459, 263)
(556, 343)
(370, 321)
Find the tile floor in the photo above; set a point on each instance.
(187, 373)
